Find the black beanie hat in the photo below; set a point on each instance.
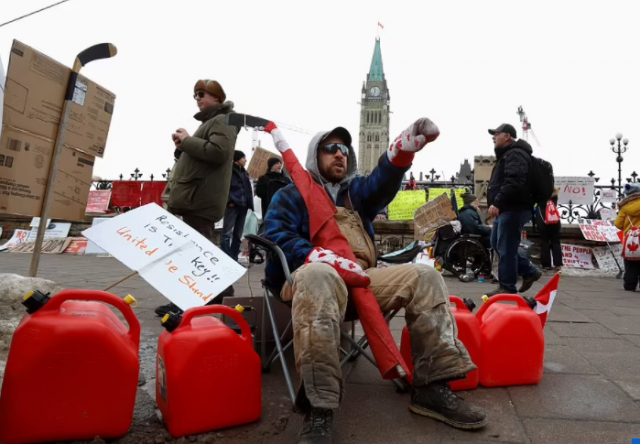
(273, 161)
(237, 155)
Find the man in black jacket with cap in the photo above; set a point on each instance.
(274, 172)
(510, 202)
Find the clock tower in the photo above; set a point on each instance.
(374, 115)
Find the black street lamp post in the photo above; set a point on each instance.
(620, 149)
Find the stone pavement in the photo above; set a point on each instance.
(590, 392)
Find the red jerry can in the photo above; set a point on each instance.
(72, 371)
(468, 334)
(208, 376)
(512, 342)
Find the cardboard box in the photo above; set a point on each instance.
(25, 161)
(259, 162)
(34, 95)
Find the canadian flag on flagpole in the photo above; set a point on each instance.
(545, 298)
(380, 25)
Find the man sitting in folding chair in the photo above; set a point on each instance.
(320, 297)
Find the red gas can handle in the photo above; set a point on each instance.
(455, 300)
(222, 309)
(96, 296)
(502, 298)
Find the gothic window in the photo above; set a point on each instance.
(368, 137)
(379, 116)
(377, 138)
(367, 117)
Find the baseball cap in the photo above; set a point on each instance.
(504, 128)
(342, 133)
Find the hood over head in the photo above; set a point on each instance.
(312, 159)
(520, 143)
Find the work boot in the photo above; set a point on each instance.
(437, 401)
(164, 309)
(528, 281)
(316, 427)
(500, 290)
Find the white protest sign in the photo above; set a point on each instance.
(605, 258)
(607, 214)
(174, 258)
(19, 237)
(92, 248)
(577, 190)
(608, 196)
(55, 230)
(576, 256)
(598, 230)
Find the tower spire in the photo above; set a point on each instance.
(376, 71)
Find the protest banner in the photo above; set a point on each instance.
(606, 257)
(19, 237)
(434, 214)
(78, 245)
(598, 230)
(55, 230)
(49, 246)
(98, 201)
(608, 196)
(174, 258)
(607, 214)
(575, 190)
(576, 256)
(436, 192)
(93, 248)
(405, 204)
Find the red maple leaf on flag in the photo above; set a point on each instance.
(632, 246)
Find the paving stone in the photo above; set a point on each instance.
(591, 345)
(630, 387)
(579, 397)
(550, 431)
(632, 338)
(551, 338)
(563, 359)
(503, 424)
(616, 365)
(622, 325)
(362, 421)
(626, 311)
(580, 330)
(566, 314)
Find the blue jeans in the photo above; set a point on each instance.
(505, 240)
(232, 229)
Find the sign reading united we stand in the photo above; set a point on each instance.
(173, 257)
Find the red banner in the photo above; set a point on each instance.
(126, 194)
(152, 192)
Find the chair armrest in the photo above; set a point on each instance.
(270, 247)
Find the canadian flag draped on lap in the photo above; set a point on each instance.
(545, 298)
(333, 246)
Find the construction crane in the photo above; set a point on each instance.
(526, 126)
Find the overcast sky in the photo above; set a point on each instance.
(467, 65)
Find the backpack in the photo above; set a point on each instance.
(551, 217)
(541, 182)
(630, 244)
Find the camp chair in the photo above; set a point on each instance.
(272, 292)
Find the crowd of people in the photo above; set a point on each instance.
(209, 182)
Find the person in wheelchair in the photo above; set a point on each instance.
(320, 297)
(471, 221)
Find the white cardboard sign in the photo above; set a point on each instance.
(608, 196)
(577, 256)
(608, 214)
(605, 257)
(599, 230)
(19, 237)
(577, 190)
(173, 257)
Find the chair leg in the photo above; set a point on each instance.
(276, 337)
(263, 328)
(274, 353)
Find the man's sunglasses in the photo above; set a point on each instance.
(199, 95)
(333, 148)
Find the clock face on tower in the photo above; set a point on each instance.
(375, 91)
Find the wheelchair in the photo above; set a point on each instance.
(460, 254)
